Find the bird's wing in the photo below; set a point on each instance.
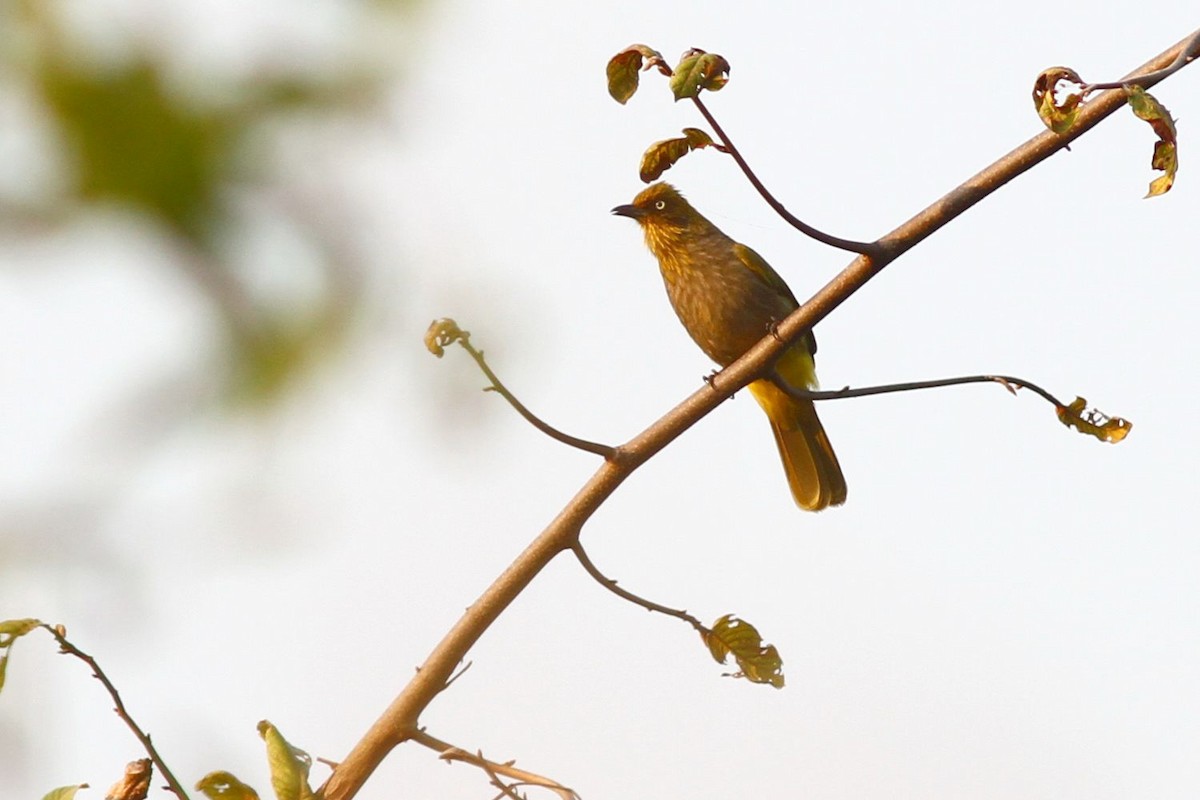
(759, 266)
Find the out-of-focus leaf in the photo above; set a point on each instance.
(623, 69)
(135, 142)
(134, 784)
(1166, 156)
(10, 631)
(661, 156)
(223, 785)
(13, 629)
(757, 662)
(64, 792)
(289, 765)
(1092, 422)
(441, 334)
(1057, 116)
(698, 70)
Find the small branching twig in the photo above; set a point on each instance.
(444, 332)
(864, 248)
(494, 770)
(60, 635)
(611, 585)
(1075, 414)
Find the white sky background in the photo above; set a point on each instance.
(1002, 609)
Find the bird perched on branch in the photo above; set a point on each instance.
(728, 298)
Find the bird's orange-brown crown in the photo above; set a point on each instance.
(659, 204)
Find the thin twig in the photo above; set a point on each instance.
(1187, 55)
(864, 248)
(449, 752)
(611, 585)
(443, 332)
(67, 648)
(1006, 381)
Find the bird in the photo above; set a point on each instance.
(728, 298)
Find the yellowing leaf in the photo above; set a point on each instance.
(661, 156)
(64, 792)
(223, 785)
(1166, 157)
(698, 70)
(10, 631)
(441, 334)
(1057, 116)
(289, 765)
(1092, 422)
(13, 629)
(623, 69)
(758, 663)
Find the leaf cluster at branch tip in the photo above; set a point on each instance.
(757, 662)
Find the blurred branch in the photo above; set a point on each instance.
(399, 722)
(67, 648)
(448, 753)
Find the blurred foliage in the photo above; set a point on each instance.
(135, 137)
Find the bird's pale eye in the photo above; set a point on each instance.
(660, 205)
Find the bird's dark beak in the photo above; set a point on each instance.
(633, 212)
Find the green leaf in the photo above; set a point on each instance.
(64, 792)
(661, 156)
(698, 70)
(289, 765)
(223, 785)
(758, 663)
(1166, 156)
(623, 69)
(1057, 116)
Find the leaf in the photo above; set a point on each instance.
(289, 765)
(1058, 117)
(441, 334)
(1166, 157)
(134, 784)
(1093, 423)
(698, 70)
(64, 792)
(623, 69)
(757, 662)
(223, 785)
(10, 631)
(660, 156)
(13, 629)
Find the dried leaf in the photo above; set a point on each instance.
(758, 663)
(661, 156)
(623, 69)
(1093, 422)
(1166, 157)
(698, 70)
(134, 784)
(1057, 116)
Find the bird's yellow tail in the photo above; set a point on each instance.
(808, 459)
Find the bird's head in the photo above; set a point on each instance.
(660, 206)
